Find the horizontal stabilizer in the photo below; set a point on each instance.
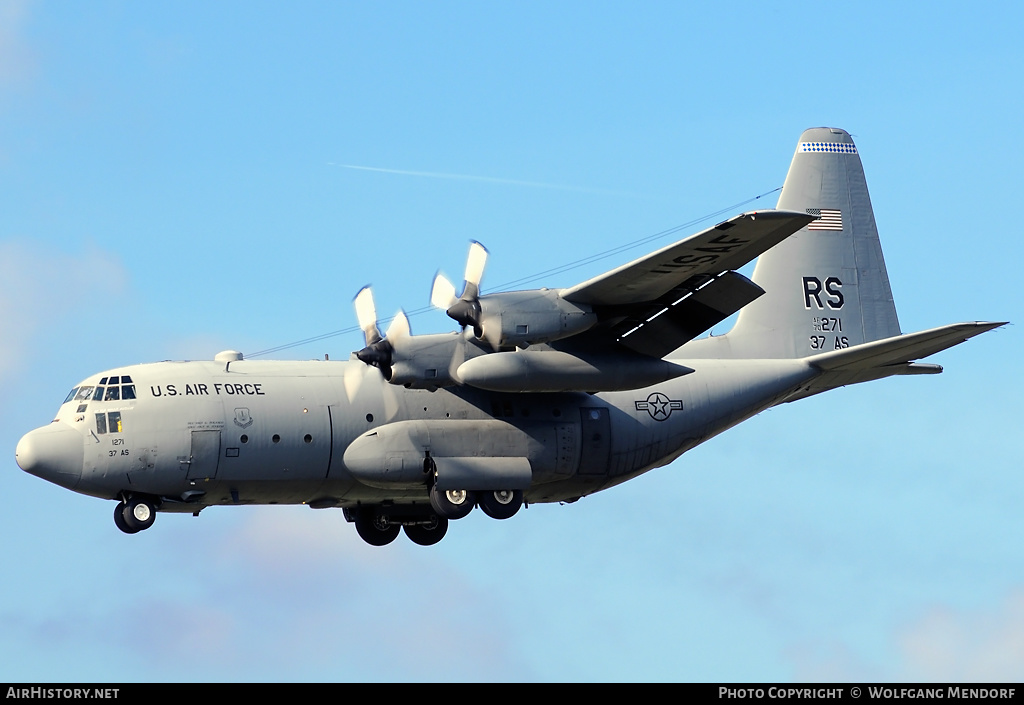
(901, 348)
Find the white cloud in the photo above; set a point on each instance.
(983, 645)
(275, 593)
(42, 290)
(942, 645)
(17, 60)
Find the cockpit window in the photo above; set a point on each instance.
(108, 390)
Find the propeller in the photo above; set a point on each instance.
(466, 308)
(380, 350)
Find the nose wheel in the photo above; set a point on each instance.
(135, 515)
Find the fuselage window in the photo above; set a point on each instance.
(109, 422)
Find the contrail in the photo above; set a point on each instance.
(486, 179)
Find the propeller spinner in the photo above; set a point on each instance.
(380, 350)
(465, 309)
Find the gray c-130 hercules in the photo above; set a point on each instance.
(544, 396)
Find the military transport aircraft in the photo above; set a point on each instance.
(543, 396)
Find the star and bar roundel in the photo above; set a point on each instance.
(659, 406)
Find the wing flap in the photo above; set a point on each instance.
(728, 245)
(682, 321)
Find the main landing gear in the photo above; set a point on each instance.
(455, 504)
(500, 504)
(134, 514)
(379, 525)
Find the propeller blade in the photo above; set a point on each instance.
(442, 294)
(366, 314)
(474, 270)
(399, 328)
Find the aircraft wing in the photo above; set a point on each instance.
(726, 246)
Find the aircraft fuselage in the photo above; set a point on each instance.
(259, 432)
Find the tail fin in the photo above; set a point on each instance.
(826, 286)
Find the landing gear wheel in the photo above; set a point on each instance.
(500, 504)
(451, 504)
(119, 520)
(137, 514)
(375, 528)
(427, 534)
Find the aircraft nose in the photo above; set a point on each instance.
(54, 453)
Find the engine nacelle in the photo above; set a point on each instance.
(558, 371)
(523, 318)
(425, 361)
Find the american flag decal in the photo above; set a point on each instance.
(828, 219)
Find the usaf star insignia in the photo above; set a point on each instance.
(659, 406)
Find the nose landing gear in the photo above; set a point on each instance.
(134, 515)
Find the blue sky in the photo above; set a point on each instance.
(175, 180)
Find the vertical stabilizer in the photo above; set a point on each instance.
(826, 285)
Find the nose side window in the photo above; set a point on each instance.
(101, 423)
